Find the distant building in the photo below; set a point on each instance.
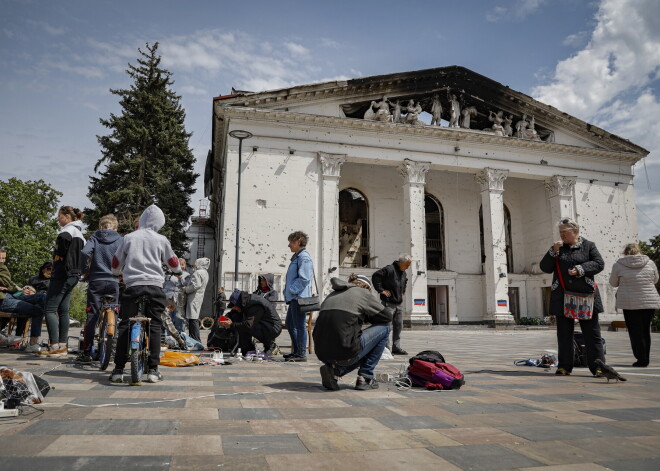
(475, 198)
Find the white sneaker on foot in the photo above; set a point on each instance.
(36, 348)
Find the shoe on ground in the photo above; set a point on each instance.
(270, 351)
(398, 351)
(562, 372)
(183, 347)
(640, 364)
(4, 340)
(54, 352)
(328, 378)
(154, 376)
(297, 358)
(363, 384)
(117, 376)
(288, 355)
(83, 359)
(36, 348)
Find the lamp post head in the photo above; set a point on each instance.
(240, 135)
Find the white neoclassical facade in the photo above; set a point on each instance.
(474, 198)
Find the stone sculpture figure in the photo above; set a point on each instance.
(508, 130)
(526, 129)
(396, 114)
(412, 113)
(521, 126)
(436, 110)
(497, 120)
(454, 110)
(370, 114)
(383, 110)
(466, 114)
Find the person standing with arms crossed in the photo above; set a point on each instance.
(390, 282)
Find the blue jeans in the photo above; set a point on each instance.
(27, 305)
(372, 341)
(95, 290)
(57, 308)
(296, 323)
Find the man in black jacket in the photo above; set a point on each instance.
(341, 343)
(253, 316)
(390, 282)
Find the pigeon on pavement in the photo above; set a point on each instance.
(609, 372)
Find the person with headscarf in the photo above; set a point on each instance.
(265, 288)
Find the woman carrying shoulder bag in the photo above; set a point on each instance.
(574, 262)
(636, 275)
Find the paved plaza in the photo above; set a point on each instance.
(275, 415)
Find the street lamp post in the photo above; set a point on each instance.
(240, 135)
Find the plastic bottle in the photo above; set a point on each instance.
(239, 355)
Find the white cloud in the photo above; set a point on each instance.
(331, 43)
(519, 11)
(52, 30)
(297, 50)
(611, 82)
(576, 40)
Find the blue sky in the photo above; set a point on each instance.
(598, 60)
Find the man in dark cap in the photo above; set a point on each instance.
(253, 316)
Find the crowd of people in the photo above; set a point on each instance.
(354, 322)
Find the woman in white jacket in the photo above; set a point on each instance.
(195, 295)
(636, 275)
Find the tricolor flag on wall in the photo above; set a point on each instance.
(501, 302)
(420, 302)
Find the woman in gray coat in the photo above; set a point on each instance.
(636, 275)
(195, 295)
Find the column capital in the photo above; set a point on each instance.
(331, 163)
(492, 179)
(413, 171)
(558, 185)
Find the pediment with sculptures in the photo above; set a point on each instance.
(449, 109)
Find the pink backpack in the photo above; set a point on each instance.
(435, 375)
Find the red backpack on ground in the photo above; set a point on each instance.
(436, 375)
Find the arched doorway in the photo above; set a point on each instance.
(435, 229)
(508, 247)
(353, 229)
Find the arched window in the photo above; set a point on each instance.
(353, 229)
(435, 230)
(508, 247)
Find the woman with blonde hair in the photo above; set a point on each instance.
(636, 275)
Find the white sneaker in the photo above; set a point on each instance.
(36, 348)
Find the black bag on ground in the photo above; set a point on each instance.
(432, 356)
(580, 350)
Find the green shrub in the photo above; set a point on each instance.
(530, 321)
(78, 306)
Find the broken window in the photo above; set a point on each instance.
(353, 229)
(435, 229)
(507, 237)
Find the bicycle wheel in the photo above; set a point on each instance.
(137, 365)
(104, 342)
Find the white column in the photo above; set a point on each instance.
(414, 218)
(497, 286)
(329, 219)
(560, 195)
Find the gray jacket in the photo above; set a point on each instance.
(636, 276)
(196, 287)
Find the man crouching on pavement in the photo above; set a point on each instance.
(341, 344)
(253, 316)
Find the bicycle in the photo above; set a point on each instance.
(107, 328)
(138, 346)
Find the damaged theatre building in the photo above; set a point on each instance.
(463, 173)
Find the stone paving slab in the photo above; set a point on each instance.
(276, 415)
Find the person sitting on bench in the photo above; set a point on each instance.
(253, 316)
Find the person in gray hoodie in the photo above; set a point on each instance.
(341, 343)
(265, 289)
(636, 275)
(98, 252)
(140, 258)
(195, 289)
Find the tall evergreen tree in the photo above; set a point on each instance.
(146, 157)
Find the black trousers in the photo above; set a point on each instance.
(193, 329)
(592, 341)
(129, 308)
(638, 322)
(259, 331)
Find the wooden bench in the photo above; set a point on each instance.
(616, 325)
(13, 319)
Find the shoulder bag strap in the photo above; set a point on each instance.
(561, 278)
(315, 285)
